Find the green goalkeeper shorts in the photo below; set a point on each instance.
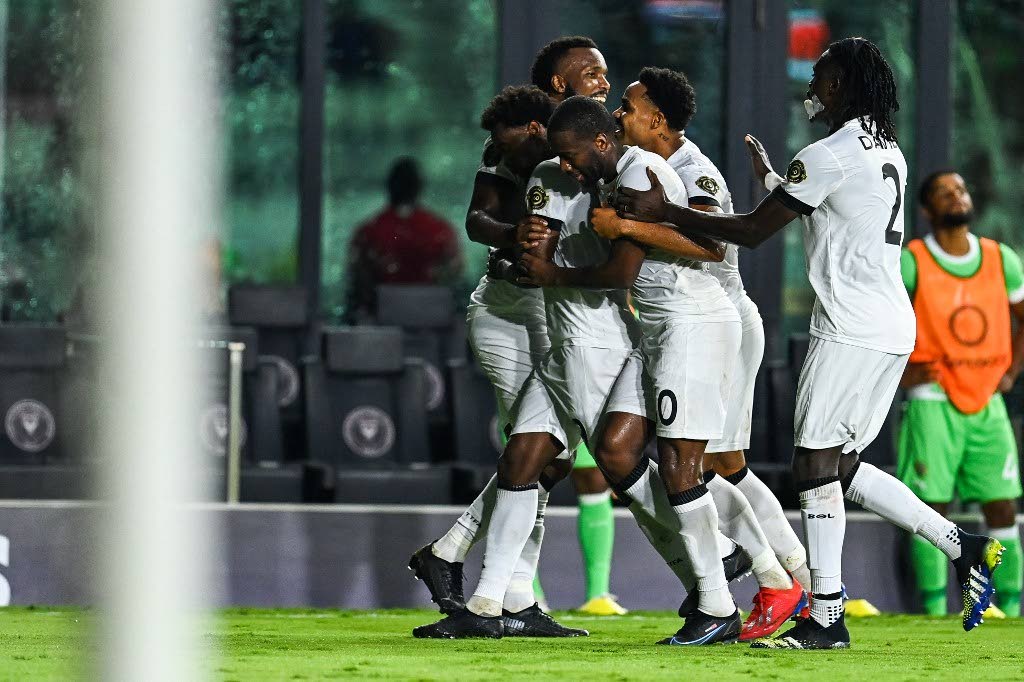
(943, 451)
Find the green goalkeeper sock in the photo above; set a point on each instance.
(1008, 577)
(538, 591)
(596, 526)
(931, 567)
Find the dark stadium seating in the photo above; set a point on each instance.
(32, 360)
(365, 401)
(475, 413)
(280, 315)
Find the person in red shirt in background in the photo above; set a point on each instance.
(403, 244)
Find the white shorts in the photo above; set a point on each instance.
(568, 393)
(688, 365)
(739, 409)
(844, 395)
(509, 343)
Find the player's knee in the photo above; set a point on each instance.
(809, 465)
(617, 455)
(525, 457)
(726, 464)
(1000, 513)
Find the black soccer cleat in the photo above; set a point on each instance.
(737, 565)
(442, 578)
(700, 629)
(979, 557)
(809, 634)
(462, 624)
(532, 622)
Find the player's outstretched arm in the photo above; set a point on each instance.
(1017, 311)
(662, 236)
(618, 272)
(745, 229)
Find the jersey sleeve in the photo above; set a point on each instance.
(1013, 272)
(546, 192)
(703, 188)
(811, 177)
(635, 177)
(908, 270)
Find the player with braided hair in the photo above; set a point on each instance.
(848, 191)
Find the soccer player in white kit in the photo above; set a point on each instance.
(654, 114)
(847, 189)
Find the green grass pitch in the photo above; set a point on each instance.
(293, 644)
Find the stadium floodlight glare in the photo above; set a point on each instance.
(155, 109)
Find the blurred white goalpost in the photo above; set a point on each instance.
(158, 163)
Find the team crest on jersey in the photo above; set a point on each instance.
(707, 184)
(796, 172)
(536, 198)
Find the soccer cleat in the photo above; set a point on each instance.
(772, 608)
(700, 629)
(809, 634)
(979, 557)
(533, 622)
(605, 605)
(442, 578)
(461, 625)
(737, 565)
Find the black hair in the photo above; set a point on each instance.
(546, 61)
(404, 181)
(517, 105)
(928, 184)
(583, 116)
(867, 86)
(672, 93)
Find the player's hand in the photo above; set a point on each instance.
(918, 373)
(606, 223)
(535, 271)
(531, 230)
(649, 206)
(758, 157)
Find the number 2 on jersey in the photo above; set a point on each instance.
(893, 236)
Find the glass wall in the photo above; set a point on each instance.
(812, 25)
(43, 225)
(404, 78)
(988, 132)
(261, 126)
(676, 34)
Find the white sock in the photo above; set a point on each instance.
(513, 520)
(698, 521)
(725, 545)
(455, 544)
(667, 543)
(649, 494)
(519, 594)
(825, 526)
(737, 521)
(888, 497)
(826, 611)
(780, 535)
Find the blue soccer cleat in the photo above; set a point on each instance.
(979, 557)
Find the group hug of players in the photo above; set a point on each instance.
(624, 203)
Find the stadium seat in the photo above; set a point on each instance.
(475, 412)
(432, 333)
(365, 401)
(280, 315)
(32, 360)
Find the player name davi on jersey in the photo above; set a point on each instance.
(849, 191)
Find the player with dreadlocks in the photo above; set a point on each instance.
(848, 191)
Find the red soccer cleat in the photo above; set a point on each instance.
(771, 609)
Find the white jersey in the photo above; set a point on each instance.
(577, 317)
(670, 288)
(850, 192)
(705, 185)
